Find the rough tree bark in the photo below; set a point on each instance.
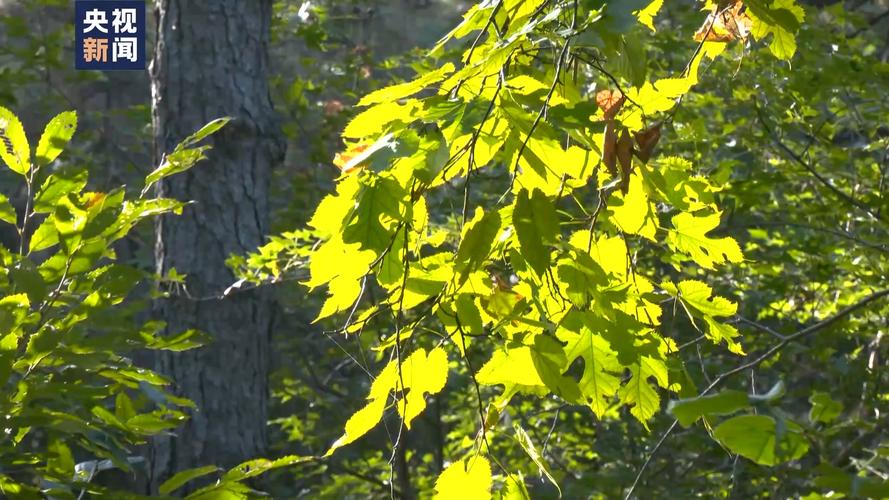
(211, 60)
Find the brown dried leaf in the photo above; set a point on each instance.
(726, 24)
(646, 140)
(625, 158)
(610, 101)
(609, 147)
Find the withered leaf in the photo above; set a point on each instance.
(625, 158)
(726, 24)
(646, 140)
(609, 156)
(610, 101)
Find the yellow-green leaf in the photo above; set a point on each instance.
(639, 394)
(55, 137)
(510, 367)
(633, 213)
(422, 374)
(646, 15)
(7, 212)
(377, 118)
(536, 226)
(14, 148)
(699, 295)
(689, 236)
(407, 89)
(467, 479)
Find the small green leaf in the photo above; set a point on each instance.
(180, 478)
(205, 131)
(44, 237)
(55, 137)
(407, 89)
(688, 411)
(477, 241)
(57, 185)
(7, 212)
(754, 437)
(28, 280)
(536, 226)
(824, 409)
(253, 468)
(184, 341)
(689, 236)
(176, 162)
(528, 445)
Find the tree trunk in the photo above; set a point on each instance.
(211, 60)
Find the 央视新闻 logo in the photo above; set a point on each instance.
(109, 34)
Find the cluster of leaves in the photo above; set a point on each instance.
(557, 269)
(74, 403)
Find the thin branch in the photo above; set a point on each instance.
(808, 166)
(756, 362)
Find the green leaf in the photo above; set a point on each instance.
(360, 423)
(407, 89)
(377, 118)
(253, 468)
(61, 461)
(380, 199)
(782, 19)
(421, 374)
(123, 407)
(600, 381)
(225, 490)
(478, 238)
(180, 478)
(689, 236)
(14, 148)
(633, 212)
(639, 394)
(824, 409)
(549, 358)
(55, 137)
(699, 296)
(509, 367)
(184, 341)
(688, 411)
(536, 225)
(28, 279)
(150, 424)
(57, 185)
(582, 278)
(835, 479)
(525, 442)
(205, 131)
(467, 479)
(7, 212)
(754, 437)
(44, 237)
(176, 162)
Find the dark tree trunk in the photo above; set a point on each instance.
(211, 60)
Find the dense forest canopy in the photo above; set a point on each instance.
(459, 250)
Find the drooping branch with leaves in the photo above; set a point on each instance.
(505, 216)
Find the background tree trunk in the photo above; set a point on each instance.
(211, 60)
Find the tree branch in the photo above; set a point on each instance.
(756, 362)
